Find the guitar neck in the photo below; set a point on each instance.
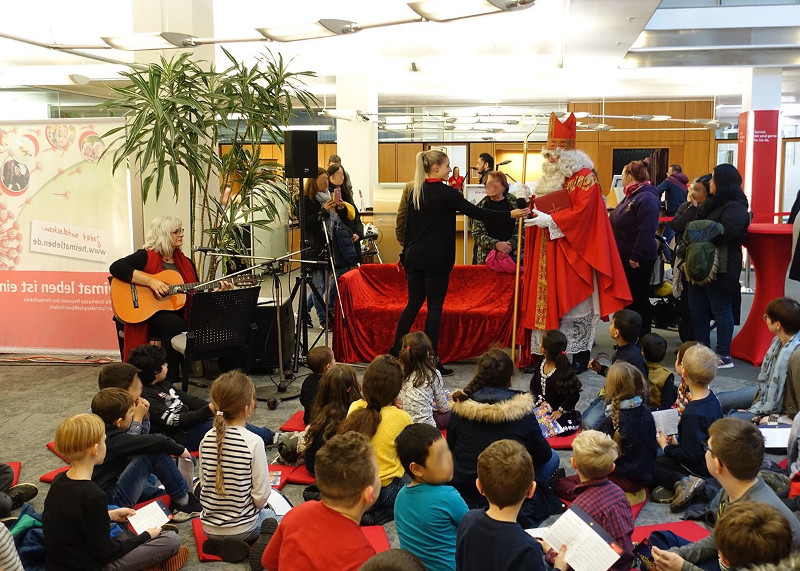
(200, 286)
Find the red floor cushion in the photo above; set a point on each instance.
(199, 538)
(444, 433)
(295, 423)
(165, 499)
(15, 467)
(285, 472)
(51, 446)
(48, 478)
(637, 508)
(688, 530)
(784, 464)
(301, 476)
(376, 536)
(562, 442)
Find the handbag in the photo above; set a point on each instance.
(548, 426)
(500, 262)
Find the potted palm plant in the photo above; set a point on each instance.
(178, 114)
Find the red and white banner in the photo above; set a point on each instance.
(765, 165)
(64, 217)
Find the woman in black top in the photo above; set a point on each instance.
(500, 235)
(429, 243)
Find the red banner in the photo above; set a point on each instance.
(765, 164)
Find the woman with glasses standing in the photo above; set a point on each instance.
(161, 251)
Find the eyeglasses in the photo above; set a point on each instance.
(178, 231)
(706, 446)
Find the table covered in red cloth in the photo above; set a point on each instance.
(477, 312)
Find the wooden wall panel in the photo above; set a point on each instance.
(475, 150)
(406, 157)
(387, 162)
(696, 158)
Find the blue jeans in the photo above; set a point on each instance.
(711, 302)
(667, 539)
(546, 470)
(196, 433)
(594, 415)
(318, 279)
(739, 398)
(133, 486)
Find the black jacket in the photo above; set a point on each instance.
(313, 216)
(730, 210)
(638, 446)
(429, 240)
(355, 226)
(173, 411)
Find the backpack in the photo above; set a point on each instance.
(704, 261)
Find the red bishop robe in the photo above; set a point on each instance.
(558, 273)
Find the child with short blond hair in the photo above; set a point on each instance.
(76, 517)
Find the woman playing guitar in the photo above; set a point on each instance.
(161, 251)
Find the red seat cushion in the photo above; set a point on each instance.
(784, 464)
(15, 467)
(688, 530)
(285, 471)
(165, 499)
(636, 509)
(295, 423)
(301, 476)
(563, 442)
(51, 446)
(48, 478)
(199, 538)
(376, 536)
(444, 433)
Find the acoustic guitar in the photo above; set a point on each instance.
(134, 303)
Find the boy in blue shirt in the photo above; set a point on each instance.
(427, 512)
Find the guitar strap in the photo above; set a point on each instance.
(136, 334)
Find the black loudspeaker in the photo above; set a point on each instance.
(264, 342)
(300, 152)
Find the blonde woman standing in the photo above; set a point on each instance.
(429, 244)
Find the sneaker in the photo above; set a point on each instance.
(268, 528)
(21, 493)
(191, 510)
(170, 527)
(724, 362)
(662, 495)
(444, 370)
(197, 488)
(636, 498)
(230, 550)
(174, 563)
(685, 491)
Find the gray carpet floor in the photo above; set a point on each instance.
(36, 397)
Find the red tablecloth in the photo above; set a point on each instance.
(770, 247)
(477, 312)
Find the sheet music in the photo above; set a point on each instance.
(775, 437)
(589, 547)
(537, 532)
(151, 515)
(667, 421)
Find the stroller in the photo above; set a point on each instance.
(667, 308)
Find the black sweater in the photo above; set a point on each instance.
(429, 241)
(120, 446)
(638, 446)
(693, 432)
(75, 523)
(172, 410)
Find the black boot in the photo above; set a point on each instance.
(580, 361)
(536, 360)
(441, 368)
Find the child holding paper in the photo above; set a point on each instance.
(554, 382)
(491, 538)
(684, 396)
(680, 472)
(76, 517)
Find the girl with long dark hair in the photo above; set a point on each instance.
(555, 381)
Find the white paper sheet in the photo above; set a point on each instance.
(667, 421)
(151, 515)
(278, 503)
(775, 437)
(537, 532)
(586, 549)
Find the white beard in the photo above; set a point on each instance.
(552, 179)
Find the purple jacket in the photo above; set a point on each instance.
(634, 222)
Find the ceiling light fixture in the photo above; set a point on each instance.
(154, 41)
(447, 10)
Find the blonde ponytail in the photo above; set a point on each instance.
(425, 161)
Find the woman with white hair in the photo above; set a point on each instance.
(161, 251)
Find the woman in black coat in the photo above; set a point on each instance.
(336, 180)
(429, 244)
(727, 205)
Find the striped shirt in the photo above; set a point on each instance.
(9, 559)
(246, 477)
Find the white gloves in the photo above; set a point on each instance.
(541, 219)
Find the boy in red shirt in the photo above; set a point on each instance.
(326, 535)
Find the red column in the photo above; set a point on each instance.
(765, 164)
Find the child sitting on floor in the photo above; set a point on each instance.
(734, 453)
(233, 473)
(325, 535)
(593, 456)
(175, 413)
(338, 389)
(681, 471)
(556, 383)
(126, 377)
(684, 396)
(660, 380)
(423, 388)
(427, 511)
(320, 360)
(624, 329)
(76, 517)
(131, 458)
(749, 534)
(491, 538)
(376, 416)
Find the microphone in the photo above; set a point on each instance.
(206, 250)
(504, 163)
(522, 203)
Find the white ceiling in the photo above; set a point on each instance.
(551, 53)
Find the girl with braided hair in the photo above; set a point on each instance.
(233, 473)
(555, 381)
(377, 415)
(487, 410)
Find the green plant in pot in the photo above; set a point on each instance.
(178, 114)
